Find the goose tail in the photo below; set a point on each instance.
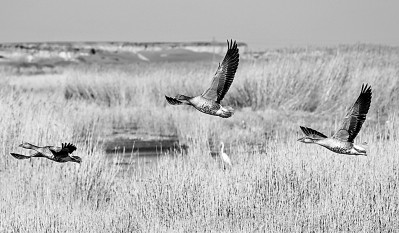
(365, 145)
(227, 112)
(19, 156)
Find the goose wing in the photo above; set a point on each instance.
(67, 148)
(173, 101)
(34, 154)
(46, 151)
(355, 116)
(63, 151)
(224, 75)
(19, 156)
(312, 133)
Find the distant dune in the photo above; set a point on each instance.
(51, 57)
(50, 54)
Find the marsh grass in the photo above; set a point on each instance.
(275, 184)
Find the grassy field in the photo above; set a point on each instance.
(276, 184)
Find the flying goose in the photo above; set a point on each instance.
(55, 153)
(342, 141)
(225, 158)
(209, 101)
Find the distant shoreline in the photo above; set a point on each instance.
(215, 47)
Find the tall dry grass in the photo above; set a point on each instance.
(276, 184)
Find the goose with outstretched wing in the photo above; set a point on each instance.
(209, 101)
(54, 153)
(342, 141)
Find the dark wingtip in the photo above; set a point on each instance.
(366, 88)
(19, 156)
(232, 45)
(168, 99)
(304, 130)
(308, 131)
(172, 101)
(71, 147)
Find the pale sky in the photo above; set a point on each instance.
(259, 23)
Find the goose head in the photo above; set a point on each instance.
(27, 145)
(76, 159)
(306, 139)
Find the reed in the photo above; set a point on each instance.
(276, 184)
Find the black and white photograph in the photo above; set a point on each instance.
(199, 116)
